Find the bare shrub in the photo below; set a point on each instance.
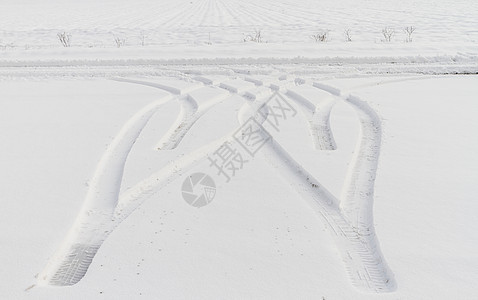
(321, 36)
(348, 35)
(409, 31)
(388, 33)
(65, 39)
(209, 41)
(256, 37)
(142, 38)
(6, 46)
(120, 42)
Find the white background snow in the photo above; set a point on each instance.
(60, 109)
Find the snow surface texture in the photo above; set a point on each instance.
(367, 161)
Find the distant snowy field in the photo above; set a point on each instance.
(366, 189)
(207, 28)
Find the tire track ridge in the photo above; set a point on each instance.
(69, 264)
(100, 214)
(358, 194)
(318, 117)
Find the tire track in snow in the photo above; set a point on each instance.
(191, 112)
(188, 114)
(94, 221)
(104, 208)
(134, 197)
(318, 117)
(358, 193)
(361, 254)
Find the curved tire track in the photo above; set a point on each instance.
(358, 194)
(350, 220)
(360, 250)
(92, 225)
(318, 117)
(103, 208)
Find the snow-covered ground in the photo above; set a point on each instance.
(350, 169)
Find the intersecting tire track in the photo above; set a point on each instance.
(358, 244)
(104, 208)
(318, 117)
(358, 192)
(350, 222)
(188, 115)
(70, 263)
